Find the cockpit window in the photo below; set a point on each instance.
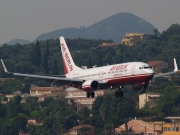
(149, 67)
(145, 67)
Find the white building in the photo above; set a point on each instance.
(38, 91)
(149, 99)
(79, 96)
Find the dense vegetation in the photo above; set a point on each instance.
(107, 112)
(45, 56)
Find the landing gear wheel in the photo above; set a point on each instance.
(117, 94)
(121, 94)
(92, 94)
(143, 89)
(88, 94)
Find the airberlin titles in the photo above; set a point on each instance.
(67, 57)
(119, 67)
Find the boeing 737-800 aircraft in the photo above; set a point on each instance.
(136, 74)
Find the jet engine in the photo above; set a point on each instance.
(90, 85)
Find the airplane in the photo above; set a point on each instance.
(136, 74)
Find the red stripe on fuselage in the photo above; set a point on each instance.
(123, 80)
(127, 80)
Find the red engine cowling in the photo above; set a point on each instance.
(90, 85)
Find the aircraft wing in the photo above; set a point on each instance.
(58, 78)
(168, 73)
(41, 76)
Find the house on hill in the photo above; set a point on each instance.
(38, 91)
(57, 95)
(83, 130)
(133, 39)
(140, 127)
(108, 44)
(79, 96)
(10, 97)
(171, 126)
(149, 99)
(158, 66)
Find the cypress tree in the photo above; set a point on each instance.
(37, 54)
(55, 67)
(44, 64)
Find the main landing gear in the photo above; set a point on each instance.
(90, 94)
(143, 88)
(119, 93)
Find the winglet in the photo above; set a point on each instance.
(175, 66)
(5, 69)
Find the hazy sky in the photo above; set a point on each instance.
(27, 19)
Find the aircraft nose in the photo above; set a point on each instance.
(150, 71)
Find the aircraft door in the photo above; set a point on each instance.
(133, 69)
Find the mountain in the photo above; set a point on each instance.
(20, 41)
(113, 27)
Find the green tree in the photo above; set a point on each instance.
(55, 67)
(36, 54)
(17, 99)
(20, 122)
(44, 64)
(36, 130)
(10, 86)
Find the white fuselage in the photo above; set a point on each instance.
(118, 74)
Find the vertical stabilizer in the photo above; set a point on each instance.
(68, 62)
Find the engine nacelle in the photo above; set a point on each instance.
(90, 85)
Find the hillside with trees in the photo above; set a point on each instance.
(108, 112)
(113, 27)
(45, 56)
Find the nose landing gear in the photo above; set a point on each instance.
(90, 94)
